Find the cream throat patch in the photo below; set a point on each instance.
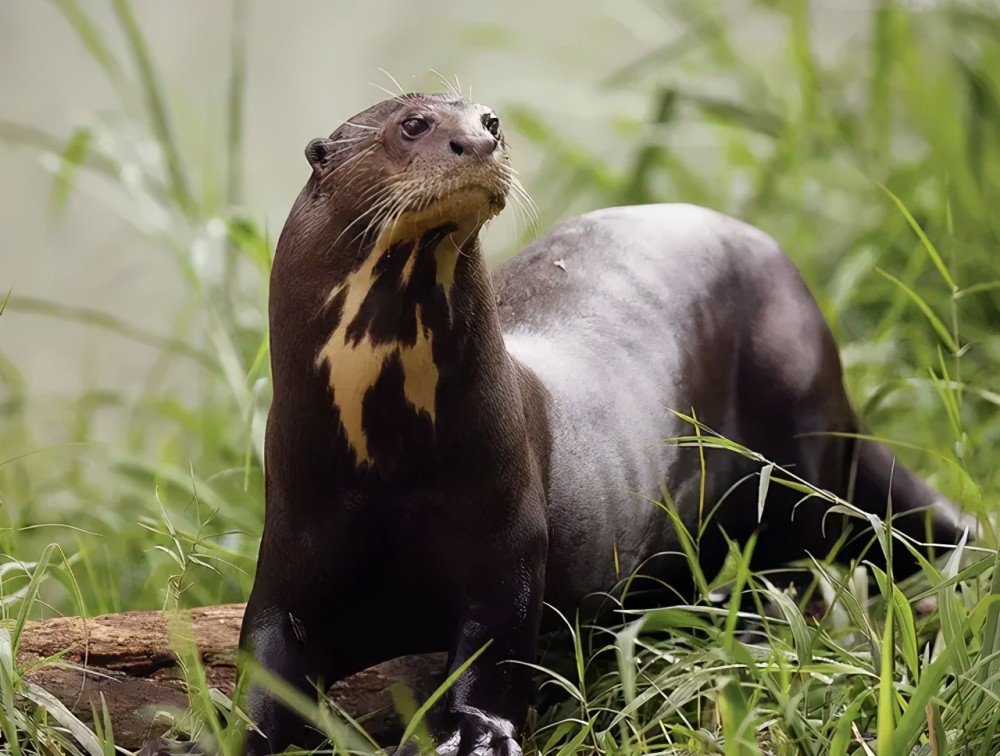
(383, 315)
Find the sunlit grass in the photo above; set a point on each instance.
(878, 172)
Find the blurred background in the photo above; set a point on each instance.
(150, 153)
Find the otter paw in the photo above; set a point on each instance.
(481, 734)
(164, 747)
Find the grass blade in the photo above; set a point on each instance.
(765, 481)
(887, 691)
(87, 33)
(440, 691)
(29, 136)
(234, 102)
(158, 118)
(737, 720)
(8, 684)
(57, 709)
(108, 322)
(926, 242)
(934, 320)
(71, 159)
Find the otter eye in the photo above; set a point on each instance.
(415, 127)
(492, 124)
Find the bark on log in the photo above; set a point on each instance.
(127, 658)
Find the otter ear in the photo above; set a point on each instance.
(318, 152)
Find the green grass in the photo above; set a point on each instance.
(879, 173)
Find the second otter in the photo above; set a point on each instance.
(448, 449)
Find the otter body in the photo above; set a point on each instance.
(448, 449)
(654, 311)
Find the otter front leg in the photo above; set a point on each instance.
(277, 642)
(488, 703)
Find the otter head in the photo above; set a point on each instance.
(398, 195)
(410, 164)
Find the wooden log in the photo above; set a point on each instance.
(127, 659)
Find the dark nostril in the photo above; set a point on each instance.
(456, 148)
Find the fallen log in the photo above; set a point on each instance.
(127, 659)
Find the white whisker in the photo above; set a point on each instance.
(392, 211)
(370, 195)
(458, 248)
(354, 158)
(448, 84)
(511, 170)
(393, 80)
(393, 95)
(384, 209)
(351, 225)
(361, 126)
(518, 215)
(349, 140)
(528, 218)
(525, 204)
(439, 75)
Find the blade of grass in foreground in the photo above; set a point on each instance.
(8, 682)
(991, 632)
(9, 639)
(737, 720)
(887, 691)
(440, 691)
(303, 706)
(58, 711)
(842, 733)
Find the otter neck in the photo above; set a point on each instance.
(416, 327)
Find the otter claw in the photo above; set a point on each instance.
(480, 734)
(477, 734)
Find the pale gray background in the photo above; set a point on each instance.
(311, 64)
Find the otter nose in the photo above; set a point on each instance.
(475, 145)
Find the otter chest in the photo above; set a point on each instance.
(379, 358)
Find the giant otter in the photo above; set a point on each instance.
(447, 448)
